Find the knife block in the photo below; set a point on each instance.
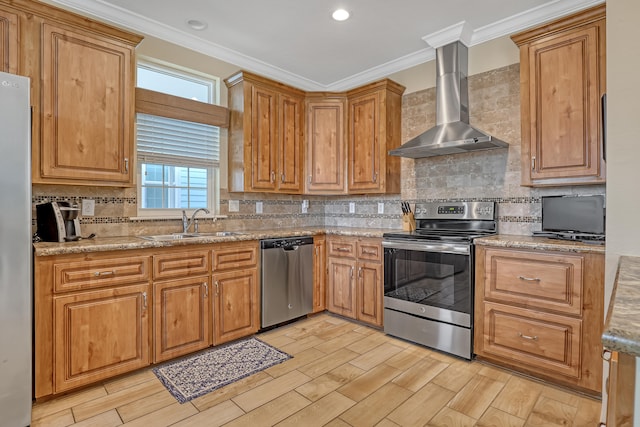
(408, 222)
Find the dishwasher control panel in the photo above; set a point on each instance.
(285, 243)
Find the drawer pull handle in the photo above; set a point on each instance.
(343, 249)
(529, 279)
(528, 337)
(366, 252)
(104, 273)
(206, 289)
(217, 288)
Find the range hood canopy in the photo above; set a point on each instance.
(452, 133)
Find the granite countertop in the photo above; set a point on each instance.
(622, 327)
(539, 243)
(100, 244)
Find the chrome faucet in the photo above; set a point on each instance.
(186, 223)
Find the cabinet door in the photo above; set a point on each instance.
(8, 42)
(290, 136)
(181, 313)
(562, 79)
(341, 298)
(369, 293)
(325, 147)
(319, 274)
(87, 90)
(263, 138)
(364, 143)
(237, 303)
(99, 334)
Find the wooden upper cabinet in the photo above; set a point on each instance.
(285, 140)
(87, 107)
(263, 145)
(562, 81)
(325, 160)
(8, 41)
(290, 131)
(374, 127)
(265, 135)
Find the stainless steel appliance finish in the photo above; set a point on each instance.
(452, 133)
(429, 275)
(287, 279)
(15, 252)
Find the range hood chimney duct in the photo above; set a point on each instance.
(452, 133)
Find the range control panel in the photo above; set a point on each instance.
(456, 210)
(451, 210)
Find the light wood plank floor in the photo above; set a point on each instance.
(342, 374)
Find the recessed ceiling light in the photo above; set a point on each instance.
(340, 15)
(197, 25)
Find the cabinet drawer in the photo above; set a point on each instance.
(235, 256)
(96, 273)
(542, 280)
(543, 342)
(342, 248)
(180, 264)
(370, 250)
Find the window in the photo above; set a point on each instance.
(178, 141)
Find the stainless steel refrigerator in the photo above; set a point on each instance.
(15, 252)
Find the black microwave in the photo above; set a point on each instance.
(574, 214)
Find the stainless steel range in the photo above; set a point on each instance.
(429, 275)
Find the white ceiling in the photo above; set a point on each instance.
(297, 41)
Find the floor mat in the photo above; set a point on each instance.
(204, 372)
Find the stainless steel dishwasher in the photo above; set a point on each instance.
(287, 279)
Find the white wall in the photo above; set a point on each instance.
(623, 135)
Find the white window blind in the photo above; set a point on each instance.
(162, 140)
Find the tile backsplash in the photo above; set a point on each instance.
(493, 175)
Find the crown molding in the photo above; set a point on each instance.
(461, 31)
(457, 32)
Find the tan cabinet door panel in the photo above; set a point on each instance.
(364, 143)
(181, 317)
(236, 302)
(325, 146)
(8, 42)
(263, 138)
(369, 291)
(290, 138)
(319, 274)
(341, 297)
(87, 108)
(100, 334)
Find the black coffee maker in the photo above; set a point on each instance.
(58, 222)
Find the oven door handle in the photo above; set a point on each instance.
(428, 247)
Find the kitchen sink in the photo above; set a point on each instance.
(181, 236)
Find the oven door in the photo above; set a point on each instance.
(430, 280)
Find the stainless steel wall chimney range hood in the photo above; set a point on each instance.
(452, 133)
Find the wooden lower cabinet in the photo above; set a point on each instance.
(541, 312)
(236, 304)
(354, 280)
(182, 313)
(100, 334)
(98, 315)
